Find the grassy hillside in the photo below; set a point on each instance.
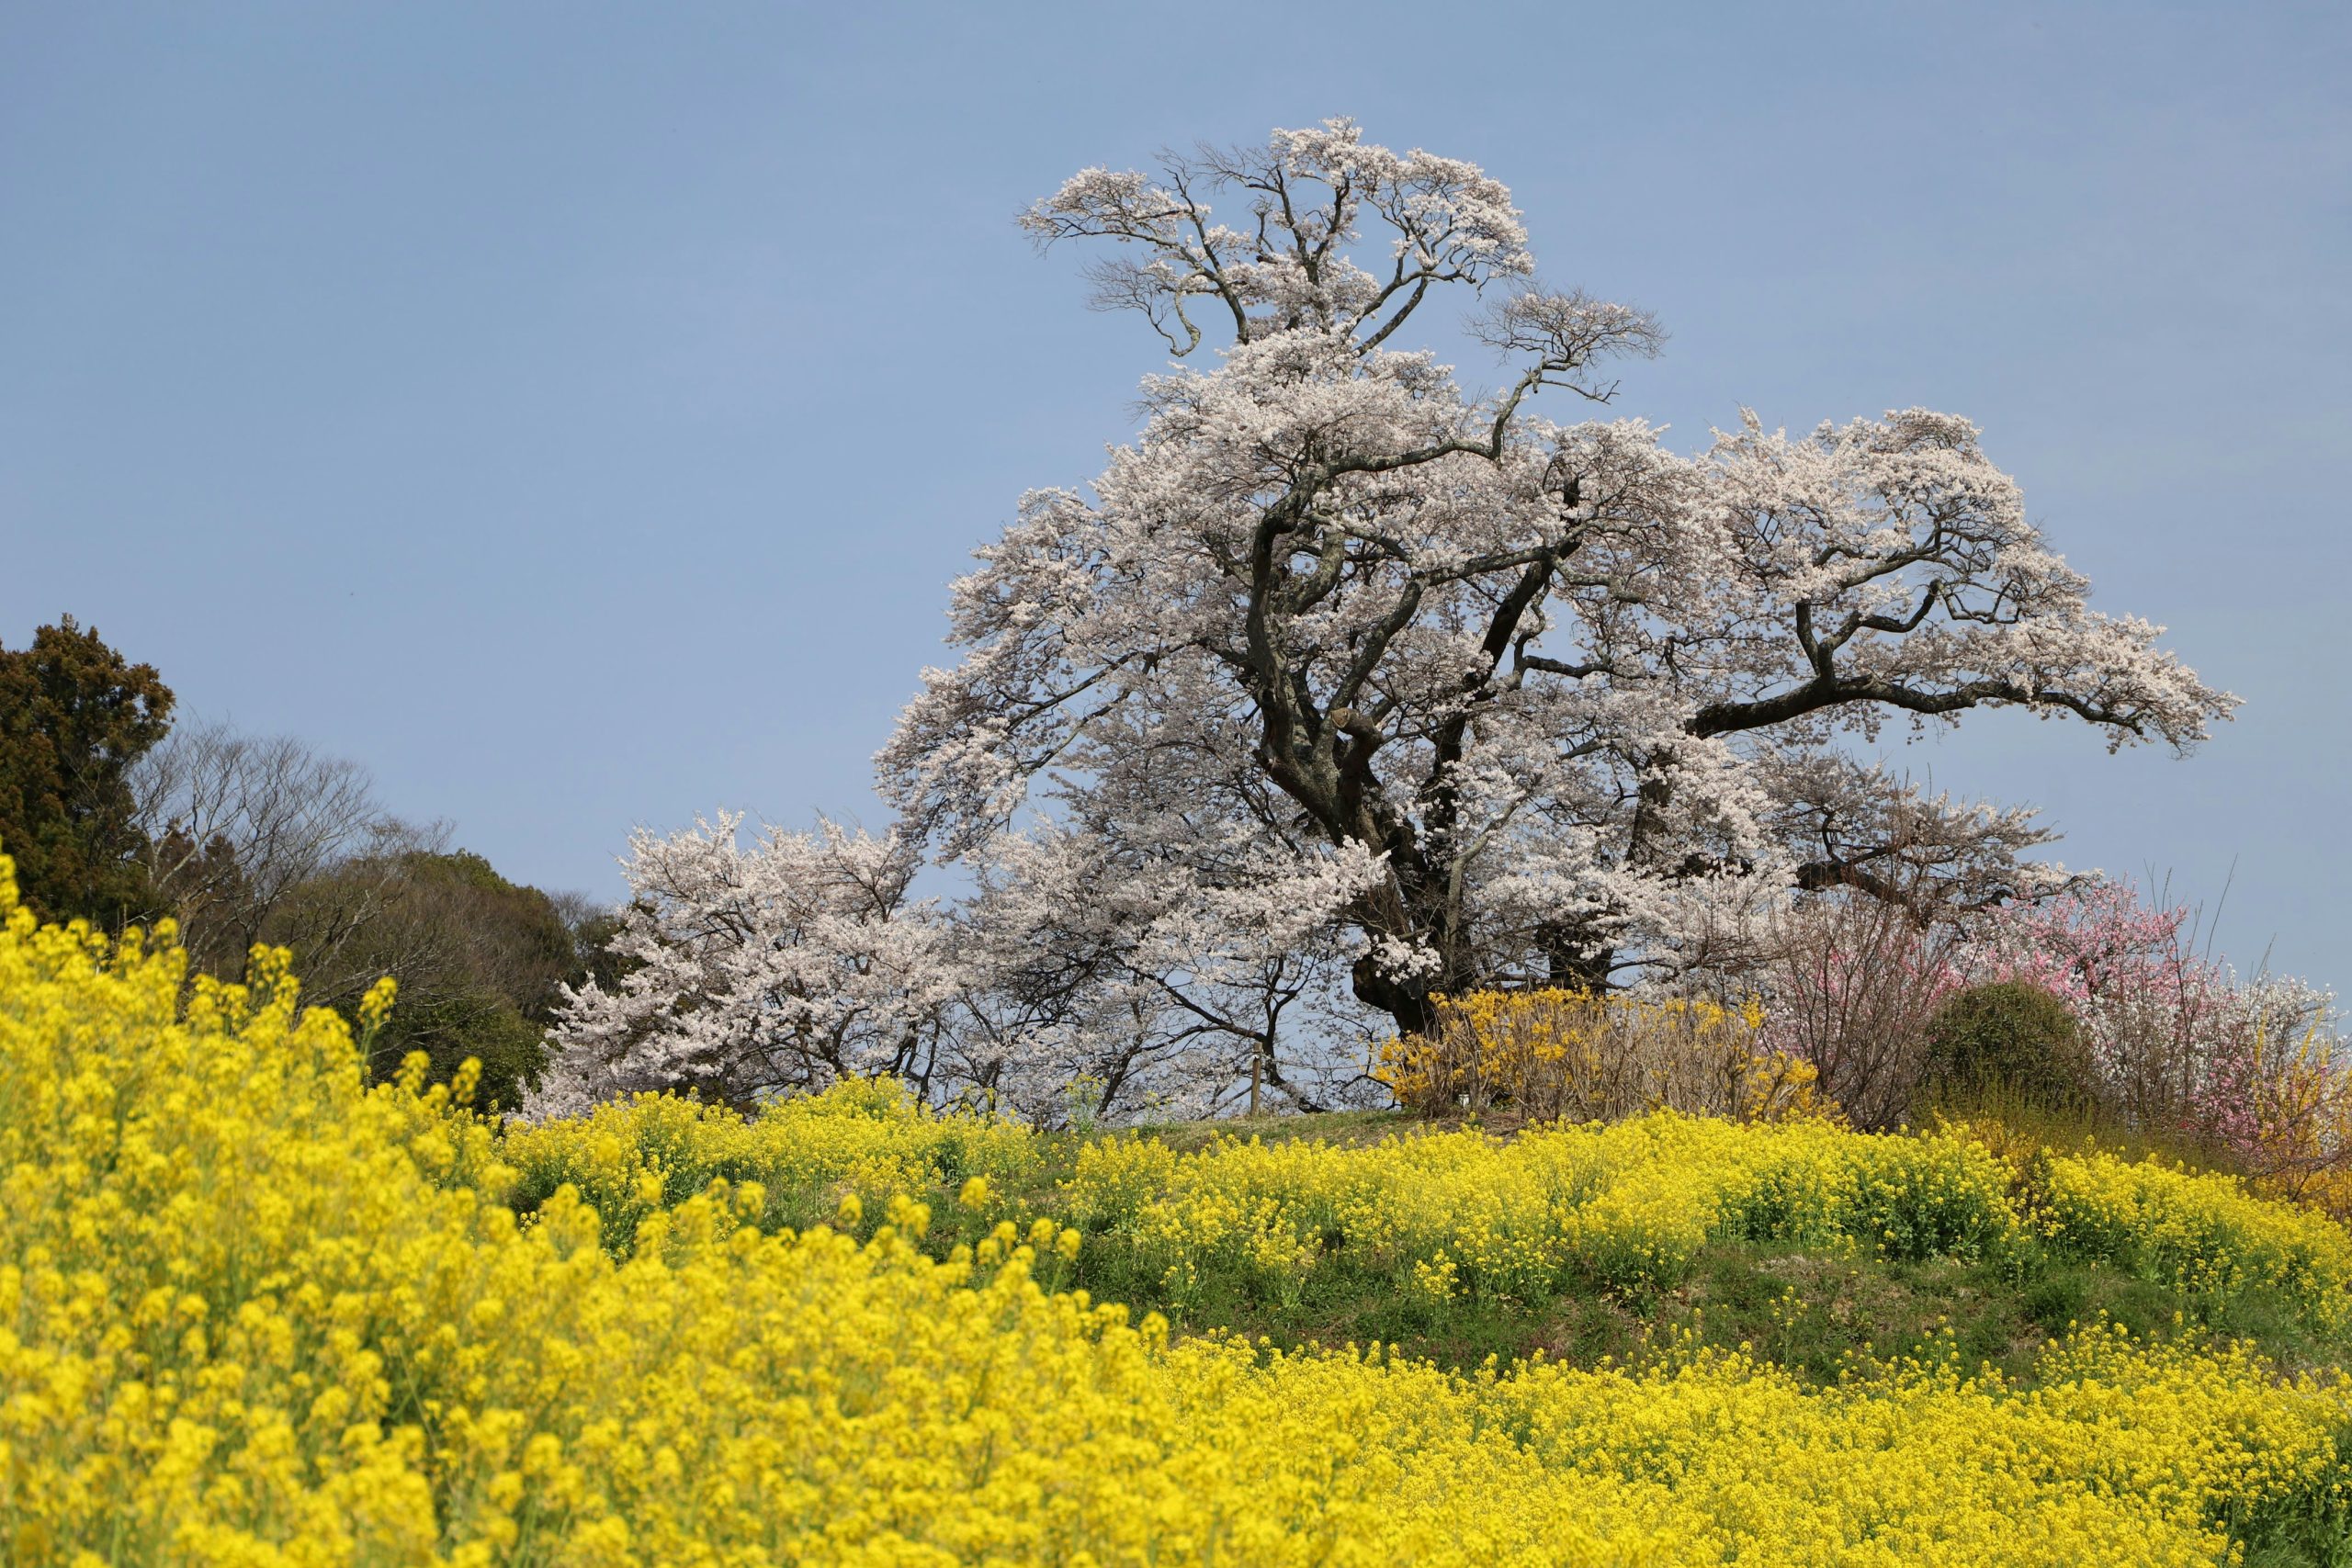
(1807, 1246)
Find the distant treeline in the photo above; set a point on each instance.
(118, 815)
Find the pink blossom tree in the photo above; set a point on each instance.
(2180, 1040)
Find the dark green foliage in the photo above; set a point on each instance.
(2008, 1041)
(452, 1023)
(592, 934)
(74, 716)
(477, 960)
(484, 989)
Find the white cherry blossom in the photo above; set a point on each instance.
(1343, 685)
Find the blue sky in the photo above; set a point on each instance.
(576, 413)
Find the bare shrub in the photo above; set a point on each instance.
(1852, 983)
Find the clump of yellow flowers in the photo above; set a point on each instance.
(1554, 1054)
(866, 1136)
(255, 1311)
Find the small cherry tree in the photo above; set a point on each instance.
(1070, 981)
(759, 970)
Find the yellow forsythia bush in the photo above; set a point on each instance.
(2301, 1139)
(254, 1311)
(1572, 1055)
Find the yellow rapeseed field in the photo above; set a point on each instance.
(255, 1311)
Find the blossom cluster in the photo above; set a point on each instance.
(2180, 1038)
(2251, 1073)
(255, 1311)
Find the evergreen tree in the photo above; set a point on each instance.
(74, 717)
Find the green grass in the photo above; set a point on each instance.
(1342, 1129)
(1816, 1314)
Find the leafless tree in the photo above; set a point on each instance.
(1854, 979)
(237, 823)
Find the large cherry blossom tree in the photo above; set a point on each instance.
(1342, 647)
(1346, 685)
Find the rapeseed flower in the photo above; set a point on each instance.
(255, 1310)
